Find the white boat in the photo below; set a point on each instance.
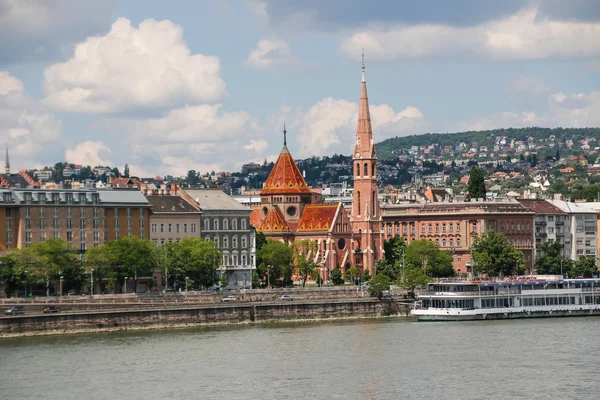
(532, 296)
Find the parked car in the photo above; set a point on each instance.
(229, 298)
(286, 297)
(51, 309)
(15, 310)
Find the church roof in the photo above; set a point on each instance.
(317, 217)
(274, 222)
(285, 177)
(255, 217)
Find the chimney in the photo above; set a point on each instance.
(173, 188)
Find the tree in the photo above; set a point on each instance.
(428, 256)
(394, 250)
(303, 251)
(224, 280)
(385, 268)
(379, 284)
(493, 255)
(277, 259)
(366, 276)
(193, 258)
(116, 172)
(352, 274)
(336, 277)
(10, 273)
(476, 186)
(255, 280)
(412, 277)
(585, 267)
(126, 171)
(550, 260)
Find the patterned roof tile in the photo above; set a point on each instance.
(317, 217)
(274, 222)
(285, 178)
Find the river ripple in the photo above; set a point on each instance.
(366, 359)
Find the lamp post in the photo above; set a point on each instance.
(25, 282)
(92, 281)
(61, 283)
(126, 284)
(186, 283)
(268, 276)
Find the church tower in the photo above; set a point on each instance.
(7, 165)
(365, 216)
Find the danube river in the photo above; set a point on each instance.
(367, 359)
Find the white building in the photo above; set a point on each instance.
(581, 220)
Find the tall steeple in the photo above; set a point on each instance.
(365, 216)
(7, 165)
(284, 136)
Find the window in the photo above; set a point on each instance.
(422, 228)
(69, 224)
(234, 242)
(458, 227)
(95, 212)
(550, 229)
(82, 236)
(27, 223)
(579, 252)
(216, 241)
(193, 227)
(184, 228)
(234, 224)
(474, 228)
(216, 224)
(128, 212)
(437, 242)
(443, 227)
(243, 224)
(243, 242)
(42, 237)
(96, 236)
(243, 259)
(56, 236)
(579, 241)
(162, 228)
(82, 212)
(82, 247)
(225, 242)
(437, 228)
(235, 259)
(177, 228)
(154, 228)
(27, 237)
(206, 225)
(458, 258)
(226, 224)
(457, 242)
(430, 228)
(82, 224)
(225, 259)
(443, 242)
(42, 212)
(55, 224)
(27, 212)
(451, 242)
(69, 236)
(69, 212)
(588, 242)
(170, 228)
(550, 218)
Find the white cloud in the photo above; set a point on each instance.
(42, 29)
(528, 86)
(576, 110)
(523, 36)
(329, 126)
(32, 133)
(203, 138)
(270, 54)
(89, 153)
(133, 68)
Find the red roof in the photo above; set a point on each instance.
(274, 222)
(317, 217)
(285, 178)
(255, 217)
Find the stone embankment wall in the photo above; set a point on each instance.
(194, 315)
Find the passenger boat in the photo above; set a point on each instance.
(531, 296)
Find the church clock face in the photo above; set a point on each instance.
(357, 155)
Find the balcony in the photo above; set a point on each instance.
(559, 223)
(540, 223)
(541, 234)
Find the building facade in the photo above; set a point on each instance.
(226, 222)
(173, 218)
(84, 218)
(581, 230)
(455, 226)
(551, 224)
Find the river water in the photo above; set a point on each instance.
(366, 359)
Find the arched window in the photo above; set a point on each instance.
(373, 204)
(457, 242)
(437, 242)
(451, 241)
(373, 169)
(234, 224)
(243, 224)
(366, 169)
(358, 205)
(357, 169)
(216, 224)
(206, 225)
(243, 242)
(443, 242)
(225, 224)
(225, 242)
(234, 242)
(216, 241)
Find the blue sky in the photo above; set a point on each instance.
(173, 86)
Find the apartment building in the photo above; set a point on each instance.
(454, 226)
(227, 223)
(173, 218)
(551, 224)
(581, 229)
(85, 218)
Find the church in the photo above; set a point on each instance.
(346, 237)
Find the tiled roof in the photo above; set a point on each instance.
(317, 217)
(14, 180)
(541, 206)
(170, 204)
(285, 177)
(274, 222)
(255, 217)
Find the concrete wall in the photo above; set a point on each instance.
(187, 316)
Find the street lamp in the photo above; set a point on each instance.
(126, 284)
(92, 279)
(61, 283)
(186, 283)
(25, 282)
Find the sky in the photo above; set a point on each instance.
(172, 86)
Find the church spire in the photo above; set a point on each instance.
(365, 147)
(7, 165)
(284, 136)
(363, 65)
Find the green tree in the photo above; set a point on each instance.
(352, 274)
(194, 258)
(255, 280)
(387, 269)
(428, 256)
(11, 274)
(394, 249)
(585, 267)
(550, 261)
(336, 277)
(224, 280)
(126, 171)
(366, 276)
(379, 284)
(412, 277)
(493, 255)
(303, 250)
(476, 186)
(277, 259)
